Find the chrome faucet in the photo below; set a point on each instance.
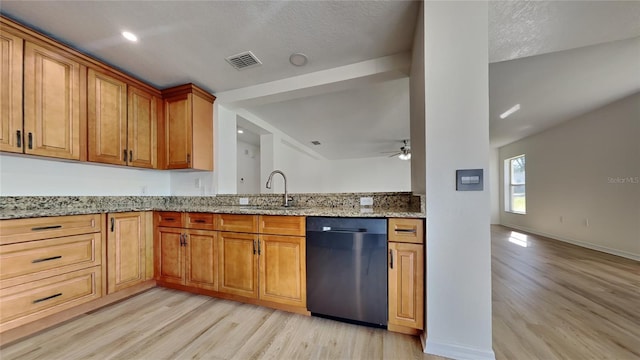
(286, 194)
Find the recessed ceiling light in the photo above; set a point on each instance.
(240, 131)
(129, 36)
(298, 59)
(513, 109)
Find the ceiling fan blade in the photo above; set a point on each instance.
(396, 154)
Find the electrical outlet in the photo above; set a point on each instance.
(198, 183)
(144, 190)
(244, 201)
(366, 201)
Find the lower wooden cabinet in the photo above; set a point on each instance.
(186, 257)
(406, 282)
(238, 264)
(128, 245)
(283, 270)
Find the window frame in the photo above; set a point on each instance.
(510, 184)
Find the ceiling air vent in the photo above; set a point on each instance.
(243, 60)
(315, 142)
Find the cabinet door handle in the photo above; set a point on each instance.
(113, 224)
(125, 155)
(189, 159)
(130, 155)
(30, 141)
(254, 247)
(181, 243)
(46, 259)
(19, 139)
(47, 298)
(258, 247)
(391, 258)
(185, 240)
(41, 228)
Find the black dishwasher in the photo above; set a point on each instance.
(347, 269)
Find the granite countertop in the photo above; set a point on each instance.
(398, 205)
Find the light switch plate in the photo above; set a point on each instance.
(469, 180)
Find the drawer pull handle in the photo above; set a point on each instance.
(113, 224)
(408, 231)
(169, 219)
(40, 228)
(200, 221)
(46, 259)
(47, 298)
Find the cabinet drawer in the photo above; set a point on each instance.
(169, 219)
(406, 230)
(238, 223)
(202, 221)
(282, 225)
(34, 260)
(21, 230)
(34, 300)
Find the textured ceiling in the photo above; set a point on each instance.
(524, 28)
(188, 41)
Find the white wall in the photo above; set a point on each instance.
(587, 169)
(457, 137)
(26, 175)
(493, 179)
(248, 168)
(303, 170)
(367, 175)
(416, 108)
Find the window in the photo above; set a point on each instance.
(515, 199)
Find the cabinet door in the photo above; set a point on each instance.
(201, 259)
(178, 130)
(52, 103)
(169, 256)
(10, 93)
(107, 114)
(283, 269)
(238, 271)
(406, 285)
(142, 120)
(126, 250)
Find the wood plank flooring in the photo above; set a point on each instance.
(550, 301)
(553, 300)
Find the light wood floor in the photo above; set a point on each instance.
(550, 301)
(553, 300)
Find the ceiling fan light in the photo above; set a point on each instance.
(404, 156)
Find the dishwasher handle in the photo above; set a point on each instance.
(343, 230)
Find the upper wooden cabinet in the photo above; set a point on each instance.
(188, 128)
(10, 92)
(122, 122)
(54, 115)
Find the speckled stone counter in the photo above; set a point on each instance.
(336, 205)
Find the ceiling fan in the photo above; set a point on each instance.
(405, 151)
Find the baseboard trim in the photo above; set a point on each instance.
(455, 351)
(584, 244)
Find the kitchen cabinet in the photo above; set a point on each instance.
(11, 92)
(54, 111)
(186, 256)
(238, 264)
(406, 275)
(187, 134)
(261, 266)
(122, 122)
(48, 265)
(128, 247)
